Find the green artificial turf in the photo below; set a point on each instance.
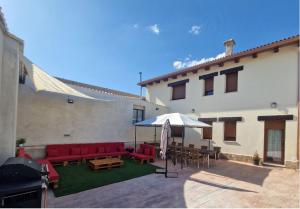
(77, 178)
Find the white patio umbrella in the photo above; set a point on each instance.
(176, 119)
(165, 135)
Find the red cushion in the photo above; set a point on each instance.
(84, 150)
(94, 155)
(140, 150)
(147, 151)
(52, 152)
(107, 149)
(120, 148)
(64, 158)
(63, 150)
(140, 156)
(101, 150)
(75, 151)
(92, 149)
(114, 154)
(113, 148)
(22, 153)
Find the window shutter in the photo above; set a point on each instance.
(230, 130)
(231, 82)
(209, 86)
(178, 92)
(207, 131)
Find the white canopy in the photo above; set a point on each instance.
(176, 119)
(44, 82)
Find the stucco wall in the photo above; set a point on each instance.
(10, 51)
(45, 118)
(271, 77)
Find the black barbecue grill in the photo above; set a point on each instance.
(21, 183)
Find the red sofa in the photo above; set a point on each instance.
(145, 152)
(57, 153)
(64, 153)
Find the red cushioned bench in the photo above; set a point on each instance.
(65, 153)
(145, 152)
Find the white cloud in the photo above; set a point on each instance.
(136, 26)
(178, 64)
(195, 29)
(154, 29)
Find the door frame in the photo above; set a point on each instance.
(269, 124)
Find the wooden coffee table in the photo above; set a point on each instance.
(106, 163)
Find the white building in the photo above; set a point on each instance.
(251, 98)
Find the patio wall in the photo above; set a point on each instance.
(11, 49)
(46, 118)
(271, 77)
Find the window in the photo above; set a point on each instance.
(231, 82)
(229, 130)
(207, 131)
(231, 78)
(178, 89)
(138, 115)
(177, 131)
(209, 86)
(178, 92)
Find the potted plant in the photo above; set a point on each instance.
(256, 158)
(20, 142)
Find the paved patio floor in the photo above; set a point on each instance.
(224, 184)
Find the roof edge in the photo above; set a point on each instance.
(259, 49)
(98, 88)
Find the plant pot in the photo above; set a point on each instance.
(256, 162)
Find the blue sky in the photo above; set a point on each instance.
(107, 42)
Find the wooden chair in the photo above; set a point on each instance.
(195, 156)
(185, 155)
(180, 152)
(218, 151)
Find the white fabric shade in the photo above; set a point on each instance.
(176, 119)
(44, 82)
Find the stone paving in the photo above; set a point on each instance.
(224, 184)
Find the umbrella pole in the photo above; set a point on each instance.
(182, 140)
(134, 138)
(166, 173)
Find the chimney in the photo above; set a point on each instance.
(229, 47)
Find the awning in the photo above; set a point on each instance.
(176, 119)
(44, 82)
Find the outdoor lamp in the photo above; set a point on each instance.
(273, 105)
(70, 101)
